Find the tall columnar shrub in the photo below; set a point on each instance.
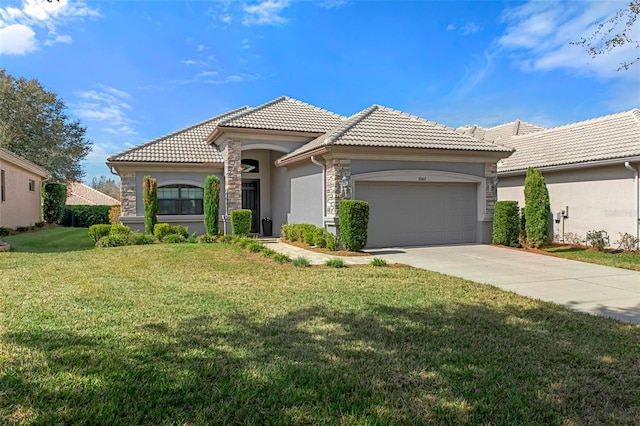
(150, 196)
(54, 197)
(354, 223)
(240, 222)
(537, 209)
(506, 223)
(211, 204)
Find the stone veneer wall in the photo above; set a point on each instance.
(490, 172)
(233, 175)
(335, 170)
(128, 193)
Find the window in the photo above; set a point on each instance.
(180, 199)
(2, 193)
(32, 185)
(250, 166)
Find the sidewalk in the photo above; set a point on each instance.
(313, 257)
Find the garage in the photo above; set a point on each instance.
(419, 213)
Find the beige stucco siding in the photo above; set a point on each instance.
(21, 207)
(599, 198)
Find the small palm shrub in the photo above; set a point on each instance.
(244, 242)
(255, 247)
(281, 258)
(206, 239)
(335, 263)
(377, 261)
(96, 232)
(301, 262)
(225, 239)
(267, 252)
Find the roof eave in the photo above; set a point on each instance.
(302, 156)
(221, 130)
(570, 166)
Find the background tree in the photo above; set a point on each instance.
(614, 32)
(537, 209)
(34, 125)
(107, 186)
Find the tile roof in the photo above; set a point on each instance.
(187, 145)
(501, 131)
(286, 114)
(80, 194)
(378, 126)
(603, 138)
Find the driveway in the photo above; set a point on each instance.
(585, 287)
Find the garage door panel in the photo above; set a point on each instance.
(405, 213)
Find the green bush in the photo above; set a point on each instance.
(301, 261)
(537, 209)
(174, 238)
(319, 239)
(267, 252)
(54, 197)
(5, 232)
(137, 238)
(284, 231)
(255, 247)
(85, 216)
(241, 222)
(150, 198)
(114, 215)
(377, 261)
(354, 221)
(96, 232)
(506, 223)
(161, 230)
(226, 239)
(331, 241)
(116, 240)
(335, 263)
(206, 239)
(308, 235)
(244, 242)
(281, 258)
(120, 229)
(211, 204)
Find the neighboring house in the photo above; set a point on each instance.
(20, 190)
(79, 194)
(591, 171)
(294, 162)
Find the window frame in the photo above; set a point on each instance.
(3, 191)
(32, 185)
(180, 200)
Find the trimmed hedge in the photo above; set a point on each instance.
(163, 230)
(354, 223)
(537, 209)
(506, 223)
(150, 195)
(241, 222)
(85, 216)
(211, 204)
(54, 197)
(317, 236)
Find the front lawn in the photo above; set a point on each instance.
(625, 260)
(209, 334)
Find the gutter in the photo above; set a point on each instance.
(635, 172)
(569, 166)
(324, 178)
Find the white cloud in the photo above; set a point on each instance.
(108, 106)
(479, 69)
(226, 19)
(470, 28)
(202, 47)
(330, 4)
(17, 39)
(235, 78)
(38, 16)
(539, 36)
(451, 27)
(266, 12)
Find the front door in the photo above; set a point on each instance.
(251, 201)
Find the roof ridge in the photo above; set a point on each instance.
(184, 129)
(315, 107)
(636, 113)
(420, 119)
(349, 124)
(580, 123)
(93, 190)
(259, 107)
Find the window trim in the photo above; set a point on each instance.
(3, 191)
(179, 200)
(32, 185)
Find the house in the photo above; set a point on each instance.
(79, 194)
(293, 163)
(590, 167)
(20, 190)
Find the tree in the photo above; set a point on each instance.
(211, 204)
(107, 186)
(150, 198)
(54, 197)
(537, 208)
(34, 125)
(614, 32)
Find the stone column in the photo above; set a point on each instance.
(128, 194)
(335, 170)
(491, 196)
(232, 175)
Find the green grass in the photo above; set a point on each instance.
(58, 239)
(211, 334)
(624, 260)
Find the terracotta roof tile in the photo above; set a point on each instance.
(80, 194)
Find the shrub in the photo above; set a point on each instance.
(574, 240)
(226, 239)
(267, 252)
(174, 238)
(54, 197)
(244, 242)
(22, 228)
(506, 223)
(627, 242)
(597, 239)
(331, 241)
(319, 239)
(114, 215)
(193, 238)
(96, 232)
(308, 235)
(301, 261)
(537, 209)
(284, 231)
(335, 263)
(161, 230)
(150, 198)
(4, 232)
(40, 224)
(85, 216)
(255, 247)
(180, 230)
(116, 240)
(377, 261)
(281, 258)
(241, 222)
(206, 239)
(137, 238)
(354, 221)
(211, 204)
(120, 229)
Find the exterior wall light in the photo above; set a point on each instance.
(345, 186)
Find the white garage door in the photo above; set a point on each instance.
(407, 213)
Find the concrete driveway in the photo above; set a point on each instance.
(585, 287)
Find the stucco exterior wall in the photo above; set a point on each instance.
(21, 206)
(599, 198)
(280, 194)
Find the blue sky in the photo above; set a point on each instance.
(135, 70)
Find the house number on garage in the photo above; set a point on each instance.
(422, 178)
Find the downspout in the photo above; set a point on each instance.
(324, 178)
(636, 198)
